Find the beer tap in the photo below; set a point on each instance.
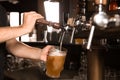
(100, 19)
(90, 37)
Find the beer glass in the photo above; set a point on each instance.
(55, 62)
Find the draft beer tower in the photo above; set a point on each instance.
(95, 61)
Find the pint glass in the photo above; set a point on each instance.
(55, 62)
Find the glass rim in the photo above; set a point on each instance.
(57, 49)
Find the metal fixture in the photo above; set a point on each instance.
(101, 18)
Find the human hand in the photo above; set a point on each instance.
(44, 52)
(29, 20)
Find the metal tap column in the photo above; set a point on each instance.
(96, 63)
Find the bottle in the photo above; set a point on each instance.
(113, 5)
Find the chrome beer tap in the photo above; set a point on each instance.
(100, 19)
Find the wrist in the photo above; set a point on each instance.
(42, 55)
(39, 54)
(24, 29)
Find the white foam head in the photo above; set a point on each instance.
(57, 52)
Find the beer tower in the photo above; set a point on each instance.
(95, 62)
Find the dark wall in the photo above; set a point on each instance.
(22, 6)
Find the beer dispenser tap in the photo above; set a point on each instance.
(100, 20)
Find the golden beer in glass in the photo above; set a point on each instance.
(55, 62)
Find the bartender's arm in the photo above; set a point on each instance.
(18, 48)
(27, 26)
(22, 50)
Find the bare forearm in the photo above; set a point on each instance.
(11, 32)
(22, 50)
(26, 51)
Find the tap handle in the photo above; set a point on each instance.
(53, 24)
(90, 37)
